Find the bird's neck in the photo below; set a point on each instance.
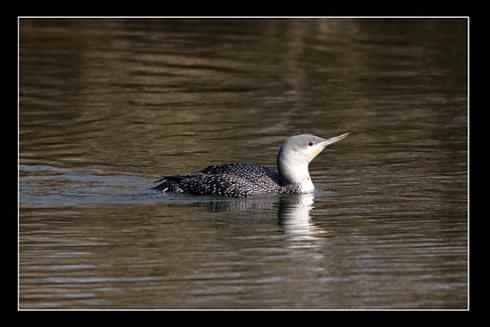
(295, 173)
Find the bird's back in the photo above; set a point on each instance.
(232, 180)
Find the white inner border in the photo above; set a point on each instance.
(271, 17)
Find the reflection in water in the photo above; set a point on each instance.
(230, 205)
(293, 211)
(294, 217)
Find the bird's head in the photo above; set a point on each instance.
(302, 149)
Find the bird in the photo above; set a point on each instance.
(239, 180)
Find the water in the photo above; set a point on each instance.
(107, 106)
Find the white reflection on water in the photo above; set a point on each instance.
(295, 219)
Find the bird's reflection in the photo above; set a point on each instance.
(294, 217)
(293, 212)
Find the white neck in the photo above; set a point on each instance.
(296, 172)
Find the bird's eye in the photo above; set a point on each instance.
(310, 144)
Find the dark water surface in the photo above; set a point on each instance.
(106, 106)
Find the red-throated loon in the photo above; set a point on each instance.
(246, 179)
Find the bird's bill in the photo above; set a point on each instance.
(333, 140)
(319, 147)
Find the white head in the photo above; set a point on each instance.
(296, 154)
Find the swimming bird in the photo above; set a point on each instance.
(245, 179)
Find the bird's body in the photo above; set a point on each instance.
(246, 179)
(231, 180)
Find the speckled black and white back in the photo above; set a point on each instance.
(230, 180)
